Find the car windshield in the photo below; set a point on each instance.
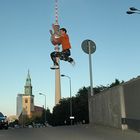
(1, 115)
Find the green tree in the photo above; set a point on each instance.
(100, 88)
(117, 82)
(49, 116)
(61, 112)
(80, 106)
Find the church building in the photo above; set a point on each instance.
(25, 102)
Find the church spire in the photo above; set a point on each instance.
(28, 85)
(28, 80)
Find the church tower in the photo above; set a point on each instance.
(28, 86)
(28, 98)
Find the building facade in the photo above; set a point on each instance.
(19, 104)
(25, 102)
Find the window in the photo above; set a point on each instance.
(26, 100)
(32, 100)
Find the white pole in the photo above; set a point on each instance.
(90, 70)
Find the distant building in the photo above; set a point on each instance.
(28, 98)
(25, 102)
(38, 111)
(19, 104)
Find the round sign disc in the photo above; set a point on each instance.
(88, 46)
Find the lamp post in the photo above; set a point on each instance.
(133, 10)
(71, 117)
(45, 106)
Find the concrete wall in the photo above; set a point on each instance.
(132, 99)
(132, 102)
(118, 106)
(106, 107)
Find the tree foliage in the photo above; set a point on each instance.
(61, 112)
(117, 82)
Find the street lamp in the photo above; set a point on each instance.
(45, 106)
(133, 10)
(71, 117)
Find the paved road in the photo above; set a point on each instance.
(84, 132)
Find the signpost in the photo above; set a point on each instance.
(89, 47)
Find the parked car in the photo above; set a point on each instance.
(3, 121)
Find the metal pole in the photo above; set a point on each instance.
(45, 107)
(70, 101)
(71, 117)
(90, 70)
(22, 119)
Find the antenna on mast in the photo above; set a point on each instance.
(56, 12)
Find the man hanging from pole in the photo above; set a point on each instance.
(60, 37)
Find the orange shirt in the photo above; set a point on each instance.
(64, 40)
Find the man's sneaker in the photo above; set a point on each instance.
(55, 67)
(70, 60)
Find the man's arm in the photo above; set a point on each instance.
(57, 40)
(51, 32)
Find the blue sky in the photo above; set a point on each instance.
(25, 44)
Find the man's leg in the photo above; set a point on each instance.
(64, 55)
(53, 57)
(70, 60)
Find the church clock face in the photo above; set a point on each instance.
(27, 90)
